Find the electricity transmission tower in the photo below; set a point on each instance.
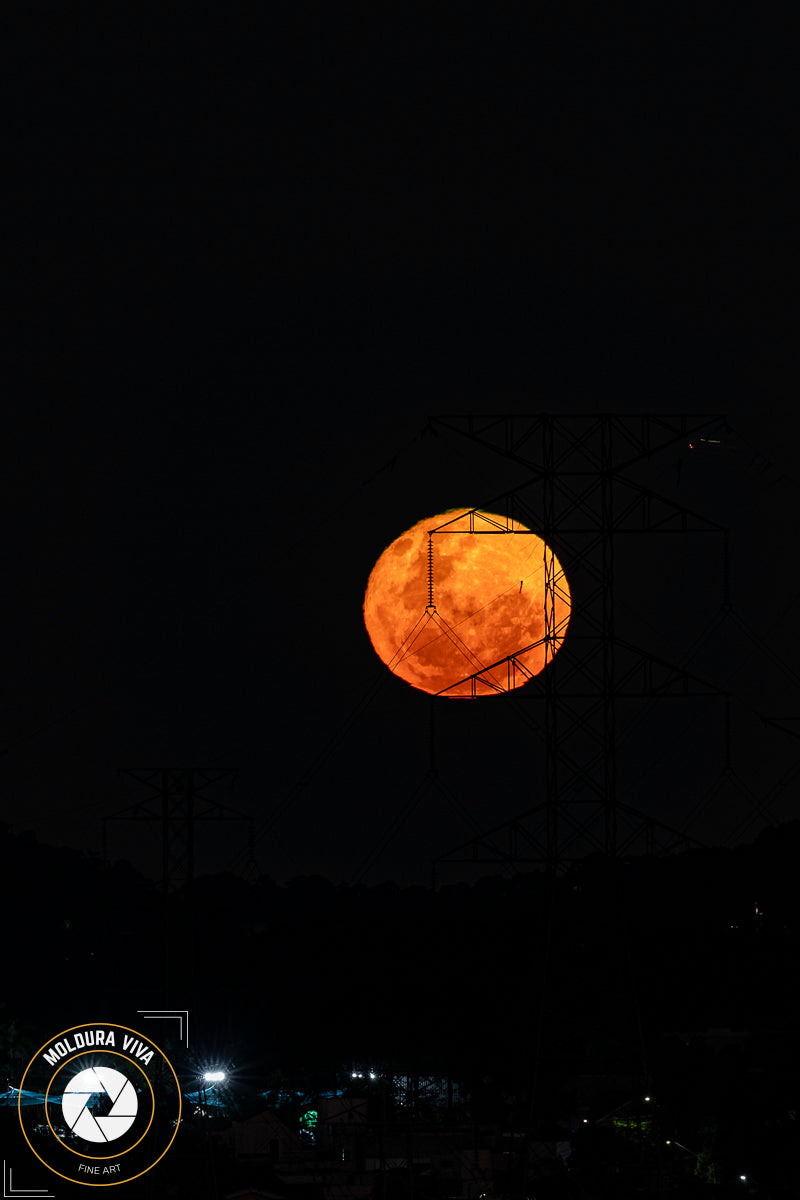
(176, 798)
(581, 495)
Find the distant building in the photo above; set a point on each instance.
(263, 1136)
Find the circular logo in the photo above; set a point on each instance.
(110, 1104)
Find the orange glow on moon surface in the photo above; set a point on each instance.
(484, 634)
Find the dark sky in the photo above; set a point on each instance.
(249, 263)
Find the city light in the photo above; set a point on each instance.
(214, 1076)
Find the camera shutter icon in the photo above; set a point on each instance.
(97, 1087)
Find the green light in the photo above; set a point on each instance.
(633, 1125)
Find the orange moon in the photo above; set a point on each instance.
(484, 632)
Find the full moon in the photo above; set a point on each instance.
(457, 605)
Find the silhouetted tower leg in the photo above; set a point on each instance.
(609, 720)
(550, 647)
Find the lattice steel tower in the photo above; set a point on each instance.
(176, 798)
(580, 495)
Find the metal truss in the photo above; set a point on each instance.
(581, 496)
(177, 798)
(570, 441)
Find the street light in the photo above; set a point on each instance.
(209, 1077)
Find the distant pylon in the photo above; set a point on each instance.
(176, 798)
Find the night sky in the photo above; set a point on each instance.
(240, 296)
